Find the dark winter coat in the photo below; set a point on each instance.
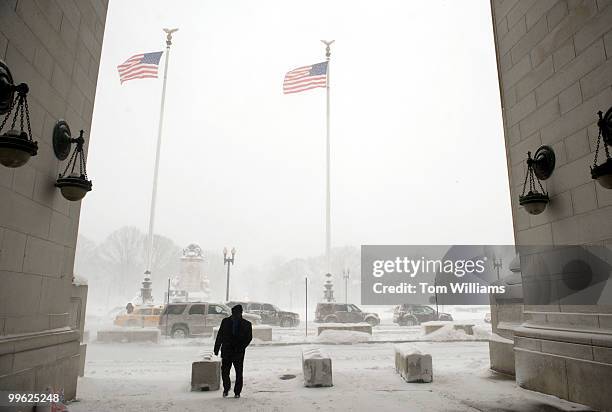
(230, 344)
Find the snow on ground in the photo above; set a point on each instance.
(342, 336)
(155, 377)
(448, 333)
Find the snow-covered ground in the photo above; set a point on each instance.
(156, 377)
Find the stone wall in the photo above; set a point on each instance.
(78, 306)
(53, 46)
(555, 72)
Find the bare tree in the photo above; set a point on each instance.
(85, 259)
(121, 259)
(165, 261)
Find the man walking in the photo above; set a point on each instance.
(233, 337)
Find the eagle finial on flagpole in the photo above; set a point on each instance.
(169, 36)
(327, 43)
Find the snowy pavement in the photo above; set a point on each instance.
(156, 377)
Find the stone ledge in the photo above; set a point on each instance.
(595, 337)
(62, 373)
(564, 377)
(506, 329)
(508, 325)
(501, 357)
(19, 343)
(82, 357)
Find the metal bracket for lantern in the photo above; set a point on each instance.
(603, 172)
(73, 185)
(16, 144)
(605, 126)
(62, 139)
(543, 162)
(7, 89)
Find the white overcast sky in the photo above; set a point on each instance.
(417, 141)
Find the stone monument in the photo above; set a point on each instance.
(146, 292)
(328, 289)
(192, 277)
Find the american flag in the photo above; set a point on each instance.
(305, 78)
(139, 66)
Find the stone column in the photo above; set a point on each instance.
(551, 60)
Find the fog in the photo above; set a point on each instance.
(416, 131)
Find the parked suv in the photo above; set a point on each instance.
(344, 313)
(270, 314)
(181, 320)
(410, 315)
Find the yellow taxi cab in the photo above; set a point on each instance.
(139, 316)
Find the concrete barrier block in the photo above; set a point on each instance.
(430, 327)
(317, 368)
(417, 368)
(127, 335)
(413, 365)
(206, 373)
(433, 326)
(359, 327)
(467, 328)
(261, 332)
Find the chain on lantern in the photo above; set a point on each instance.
(539, 167)
(16, 144)
(73, 182)
(603, 172)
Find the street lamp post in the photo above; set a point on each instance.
(227, 261)
(306, 301)
(346, 274)
(497, 264)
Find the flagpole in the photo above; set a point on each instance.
(328, 191)
(169, 33)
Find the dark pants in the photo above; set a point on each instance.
(226, 365)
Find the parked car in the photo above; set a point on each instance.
(139, 316)
(181, 320)
(410, 315)
(184, 319)
(233, 303)
(269, 313)
(254, 318)
(344, 313)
